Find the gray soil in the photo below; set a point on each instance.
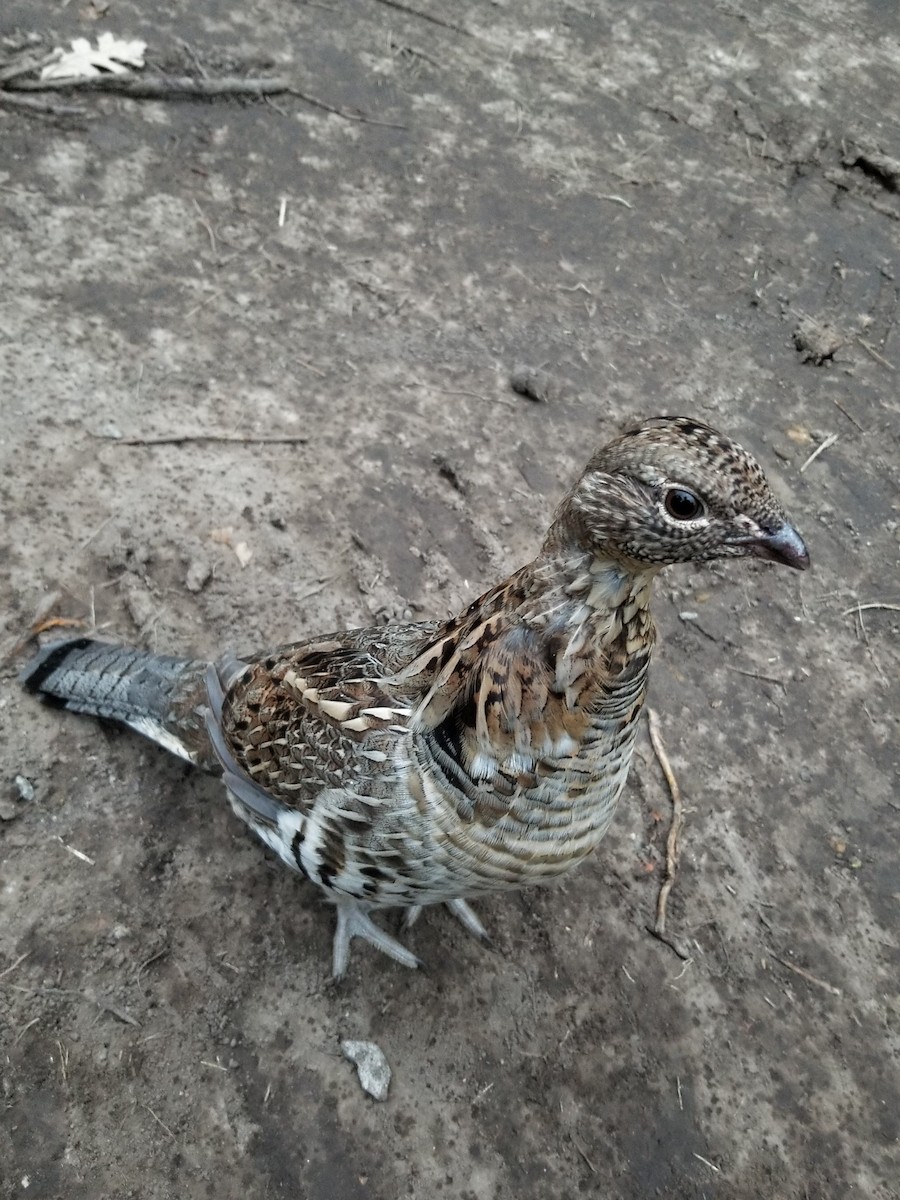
(664, 208)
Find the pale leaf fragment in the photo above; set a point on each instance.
(111, 55)
(243, 553)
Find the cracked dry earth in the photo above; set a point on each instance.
(664, 208)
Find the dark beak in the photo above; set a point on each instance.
(785, 545)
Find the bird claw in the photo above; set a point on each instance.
(460, 909)
(353, 921)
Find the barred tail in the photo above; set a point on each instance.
(156, 695)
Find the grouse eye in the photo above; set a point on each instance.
(682, 504)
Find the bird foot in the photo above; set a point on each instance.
(353, 921)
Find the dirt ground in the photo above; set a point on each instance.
(667, 208)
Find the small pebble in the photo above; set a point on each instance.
(25, 788)
(198, 575)
(371, 1067)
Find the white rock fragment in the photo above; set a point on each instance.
(371, 1066)
(25, 788)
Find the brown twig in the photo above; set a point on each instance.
(169, 87)
(340, 112)
(690, 619)
(177, 439)
(658, 929)
(193, 56)
(858, 608)
(581, 1150)
(807, 975)
(757, 675)
(210, 233)
(24, 1029)
(139, 970)
(309, 366)
(848, 415)
(33, 105)
(159, 1122)
(159, 87)
(17, 963)
(424, 16)
(879, 358)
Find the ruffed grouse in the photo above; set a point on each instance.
(430, 763)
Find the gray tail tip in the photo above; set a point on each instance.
(49, 659)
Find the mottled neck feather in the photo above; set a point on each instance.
(572, 623)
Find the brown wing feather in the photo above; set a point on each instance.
(317, 714)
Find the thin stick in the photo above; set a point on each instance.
(756, 675)
(118, 1013)
(581, 1150)
(658, 929)
(169, 87)
(209, 233)
(160, 1123)
(159, 87)
(192, 55)
(858, 608)
(25, 65)
(77, 853)
(63, 1061)
(712, 1166)
(879, 358)
(807, 975)
(152, 959)
(423, 16)
(340, 112)
(310, 367)
(32, 104)
(848, 415)
(90, 537)
(829, 441)
(24, 1030)
(316, 588)
(17, 963)
(177, 439)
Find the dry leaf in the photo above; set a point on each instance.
(111, 55)
(799, 434)
(243, 553)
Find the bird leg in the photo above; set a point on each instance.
(460, 909)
